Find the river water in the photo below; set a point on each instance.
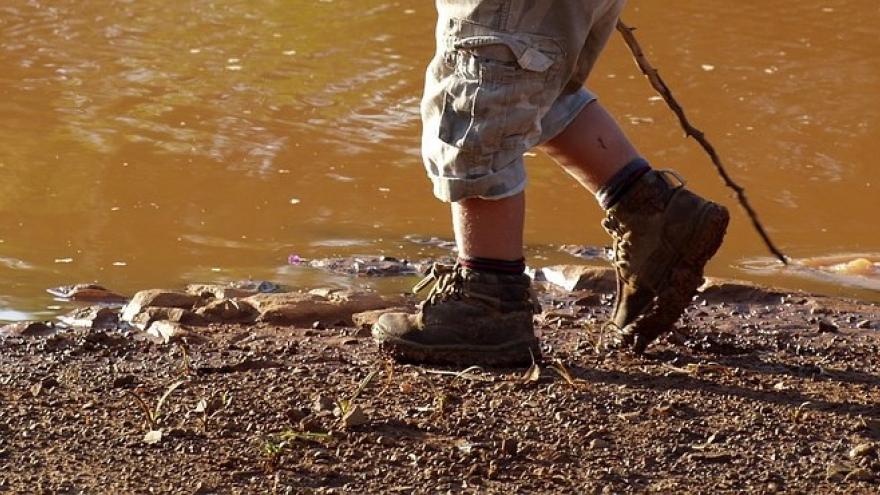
(152, 143)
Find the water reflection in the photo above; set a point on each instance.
(857, 270)
(151, 143)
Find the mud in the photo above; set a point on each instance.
(758, 390)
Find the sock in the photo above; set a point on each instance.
(611, 193)
(490, 265)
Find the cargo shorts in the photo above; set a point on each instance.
(507, 76)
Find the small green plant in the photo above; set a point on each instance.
(559, 367)
(272, 455)
(345, 405)
(533, 374)
(274, 448)
(186, 367)
(800, 414)
(208, 408)
(154, 415)
(440, 399)
(389, 375)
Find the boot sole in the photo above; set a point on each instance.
(684, 279)
(510, 355)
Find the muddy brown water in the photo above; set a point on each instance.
(153, 143)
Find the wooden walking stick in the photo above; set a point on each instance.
(690, 131)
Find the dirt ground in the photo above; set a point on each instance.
(757, 393)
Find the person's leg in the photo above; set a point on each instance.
(490, 229)
(499, 67)
(593, 148)
(663, 235)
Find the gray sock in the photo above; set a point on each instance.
(622, 181)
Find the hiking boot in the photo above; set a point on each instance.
(663, 237)
(469, 318)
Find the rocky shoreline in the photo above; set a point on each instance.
(253, 387)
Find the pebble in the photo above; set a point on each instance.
(598, 443)
(826, 326)
(355, 417)
(509, 446)
(862, 450)
(124, 381)
(859, 474)
(153, 437)
(323, 403)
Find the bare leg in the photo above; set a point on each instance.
(490, 228)
(592, 148)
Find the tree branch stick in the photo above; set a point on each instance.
(690, 131)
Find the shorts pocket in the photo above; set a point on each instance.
(495, 86)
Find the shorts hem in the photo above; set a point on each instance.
(490, 187)
(569, 106)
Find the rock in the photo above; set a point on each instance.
(715, 290)
(710, 457)
(836, 472)
(260, 286)
(323, 403)
(580, 277)
(243, 288)
(862, 450)
(124, 381)
(509, 446)
(327, 306)
(825, 326)
(215, 291)
(228, 311)
(86, 292)
(157, 298)
(864, 325)
(355, 417)
(35, 389)
(177, 315)
(816, 308)
(366, 319)
(165, 331)
(153, 437)
(586, 252)
(599, 444)
(27, 329)
(859, 474)
(95, 317)
(367, 266)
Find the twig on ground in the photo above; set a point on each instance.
(660, 86)
(464, 374)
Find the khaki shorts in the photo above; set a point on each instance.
(507, 76)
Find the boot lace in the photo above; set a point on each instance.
(621, 238)
(448, 283)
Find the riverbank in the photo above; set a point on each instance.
(761, 390)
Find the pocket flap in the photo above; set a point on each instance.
(527, 56)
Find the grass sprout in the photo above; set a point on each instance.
(154, 415)
(208, 408)
(345, 405)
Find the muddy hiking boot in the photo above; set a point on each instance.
(663, 236)
(469, 318)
